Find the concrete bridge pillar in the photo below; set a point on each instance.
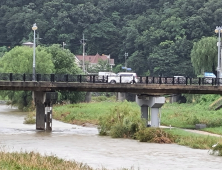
(121, 96)
(151, 115)
(88, 97)
(43, 102)
(40, 109)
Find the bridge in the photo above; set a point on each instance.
(91, 83)
(149, 91)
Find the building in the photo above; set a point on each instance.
(92, 60)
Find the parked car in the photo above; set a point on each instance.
(208, 77)
(124, 77)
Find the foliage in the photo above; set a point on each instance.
(52, 59)
(103, 98)
(20, 60)
(34, 161)
(188, 115)
(122, 121)
(193, 140)
(64, 62)
(200, 98)
(217, 104)
(217, 150)
(155, 135)
(153, 33)
(29, 119)
(204, 55)
(3, 50)
(81, 113)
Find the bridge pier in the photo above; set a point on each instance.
(121, 96)
(43, 102)
(150, 108)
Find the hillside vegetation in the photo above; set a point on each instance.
(157, 35)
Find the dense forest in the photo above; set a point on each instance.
(158, 35)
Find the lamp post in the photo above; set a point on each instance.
(218, 30)
(34, 27)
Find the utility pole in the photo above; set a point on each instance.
(83, 52)
(126, 55)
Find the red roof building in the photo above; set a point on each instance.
(93, 59)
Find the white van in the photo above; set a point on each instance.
(126, 77)
(104, 75)
(179, 79)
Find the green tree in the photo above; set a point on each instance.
(64, 62)
(20, 60)
(3, 50)
(204, 55)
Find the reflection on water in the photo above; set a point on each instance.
(72, 142)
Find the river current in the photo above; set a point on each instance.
(83, 144)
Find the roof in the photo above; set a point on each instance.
(93, 59)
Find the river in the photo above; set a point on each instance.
(83, 144)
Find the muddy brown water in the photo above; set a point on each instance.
(83, 144)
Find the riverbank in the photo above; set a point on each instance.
(94, 113)
(82, 144)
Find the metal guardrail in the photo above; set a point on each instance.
(96, 79)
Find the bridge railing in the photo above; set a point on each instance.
(104, 79)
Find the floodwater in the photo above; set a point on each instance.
(83, 144)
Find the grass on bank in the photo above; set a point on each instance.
(187, 115)
(30, 118)
(81, 113)
(34, 161)
(122, 119)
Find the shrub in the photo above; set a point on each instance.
(122, 121)
(217, 150)
(156, 135)
(29, 119)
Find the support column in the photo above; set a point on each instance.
(121, 96)
(39, 98)
(88, 97)
(155, 118)
(155, 103)
(43, 102)
(49, 118)
(144, 113)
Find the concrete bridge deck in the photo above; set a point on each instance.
(105, 87)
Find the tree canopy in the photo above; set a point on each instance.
(52, 59)
(204, 55)
(157, 35)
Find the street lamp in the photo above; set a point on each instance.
(218, 30)
(34, 27)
